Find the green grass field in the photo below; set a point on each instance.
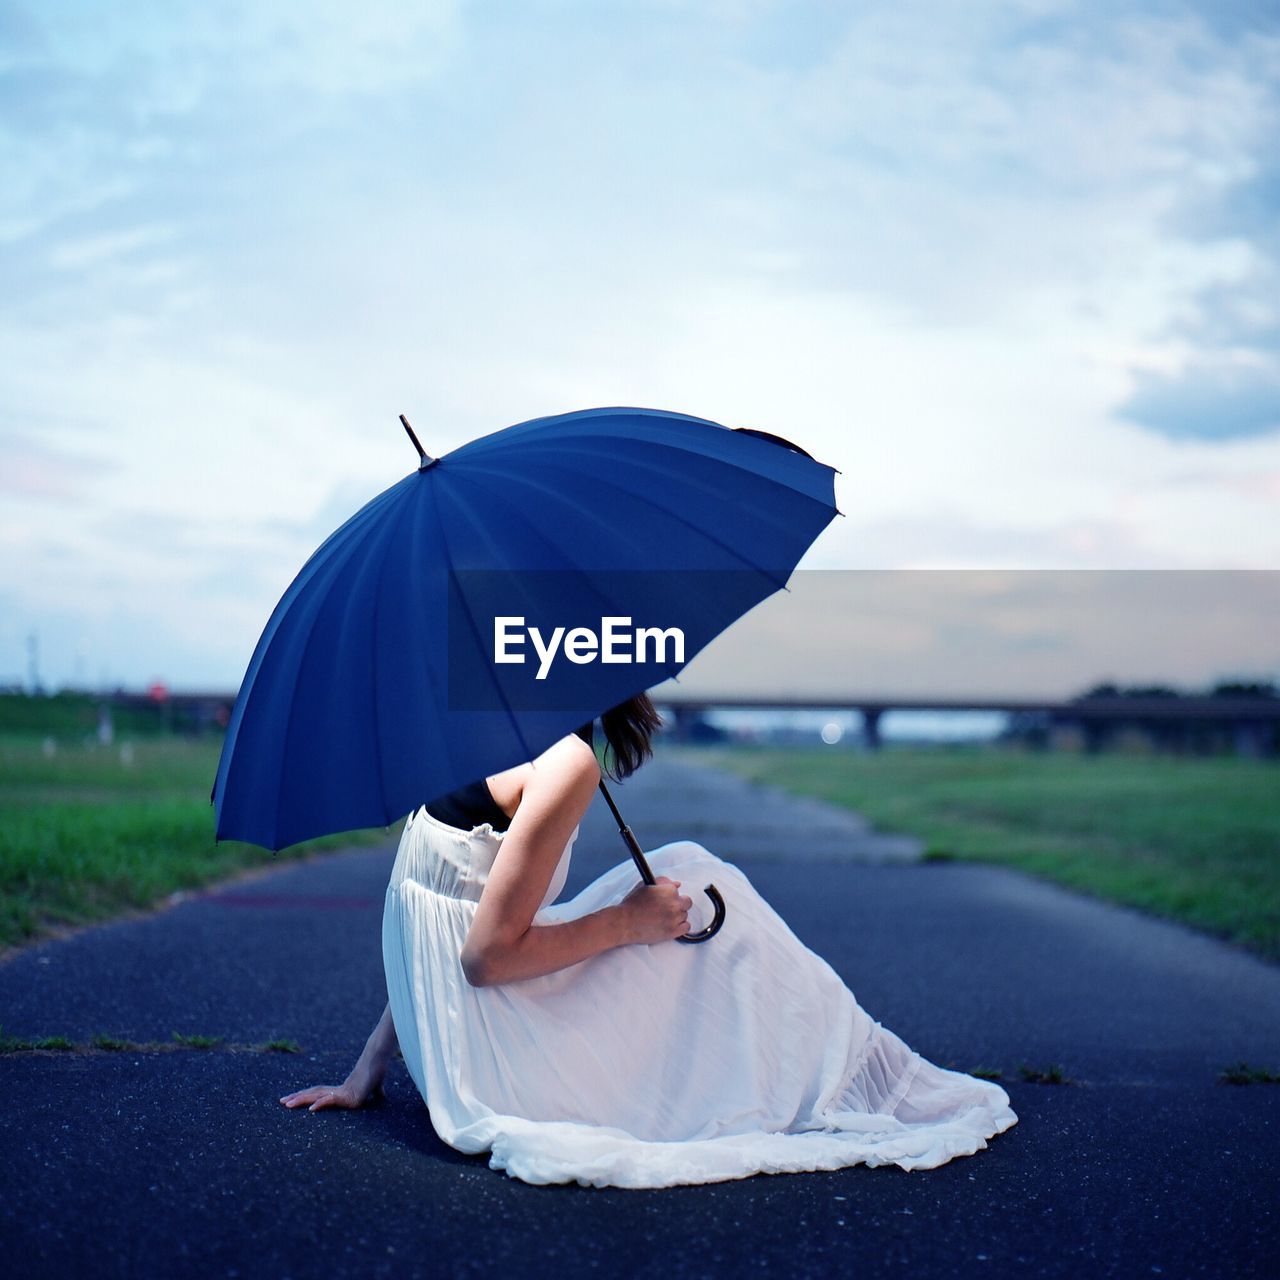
(92, 831)
(1193, 839)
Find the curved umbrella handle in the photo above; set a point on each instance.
(710, 931)
(646, 874)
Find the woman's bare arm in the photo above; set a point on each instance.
(503, 944)
(366, 1076)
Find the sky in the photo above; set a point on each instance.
(991, 634)
(1013, 268)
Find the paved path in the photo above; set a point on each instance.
(183, 1163)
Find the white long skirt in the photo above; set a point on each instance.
(651, 1066)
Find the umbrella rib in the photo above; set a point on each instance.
(471, 621)
(391, 541)
(657, 469)
(631, 493)
(539, 535)
(293, 691)
(552, 440)
(323, 555)
(416, 574)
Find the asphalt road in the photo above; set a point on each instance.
(183, 1163)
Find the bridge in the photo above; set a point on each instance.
(1244, 724)
(1247, 724)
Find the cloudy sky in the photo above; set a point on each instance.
(1013, 268)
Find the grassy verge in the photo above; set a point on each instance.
(103, 1043)
(1194, 839)
(88, 831)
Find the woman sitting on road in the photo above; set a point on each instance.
(578, 1042)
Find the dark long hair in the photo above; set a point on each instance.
(628, 728)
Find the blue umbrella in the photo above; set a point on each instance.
(499, 597)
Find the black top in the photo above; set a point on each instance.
(473, 805)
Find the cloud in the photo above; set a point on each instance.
(1208, 401)
(948, 538)
(1211, 371)
(76, 255)
(44, 473)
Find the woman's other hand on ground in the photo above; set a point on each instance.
(350, 1094)
(365, 1081)
(656, 912)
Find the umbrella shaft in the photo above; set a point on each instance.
(633, 845)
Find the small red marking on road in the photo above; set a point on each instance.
(276, 900)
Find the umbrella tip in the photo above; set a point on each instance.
(426, 460)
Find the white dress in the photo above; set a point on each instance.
(650, 1066)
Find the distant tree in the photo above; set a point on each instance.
(1110, 690)
(1107, 690)
(1223, 688)
(1246, 688)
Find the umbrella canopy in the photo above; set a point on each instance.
(417, 649)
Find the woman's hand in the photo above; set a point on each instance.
(365, 1081)
(351, 1094)
(656, 912)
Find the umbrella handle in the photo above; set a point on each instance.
(646, 874)
(709, 931)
